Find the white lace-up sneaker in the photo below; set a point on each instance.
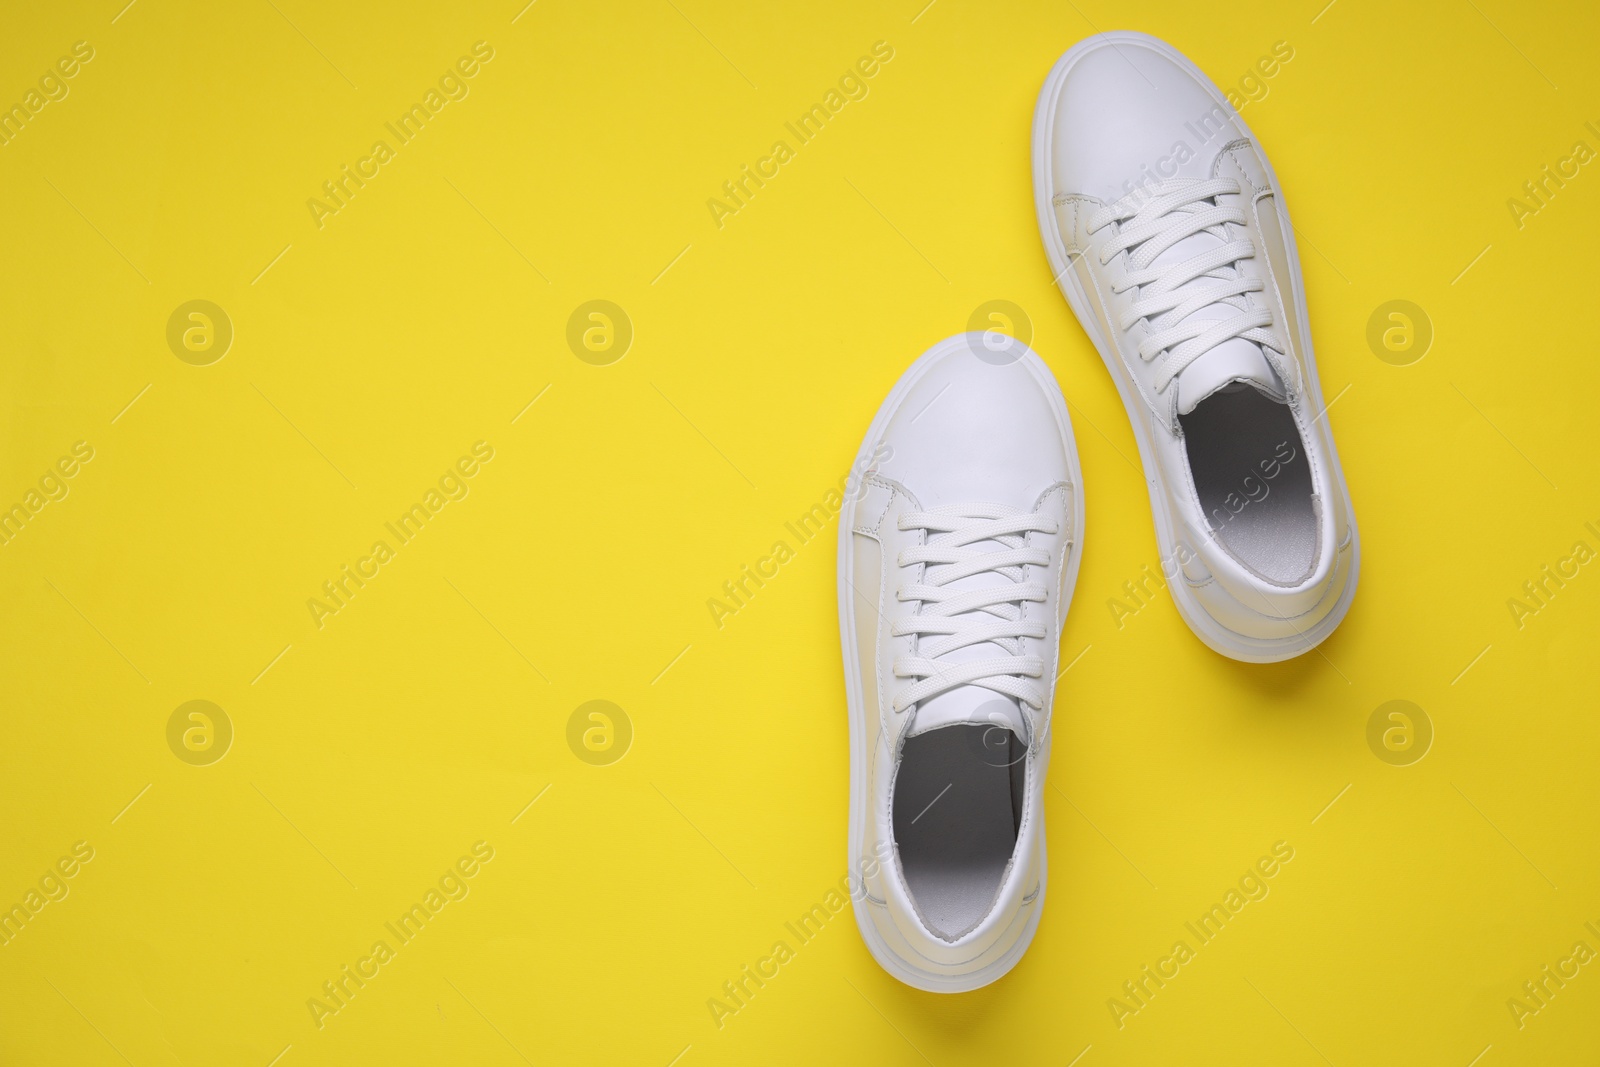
(1166, 229)
(958, 549)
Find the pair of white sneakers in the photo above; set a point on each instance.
(959, 548)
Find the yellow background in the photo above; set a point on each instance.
(425, 715)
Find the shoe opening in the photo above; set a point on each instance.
(958, 799)
(1254, 481)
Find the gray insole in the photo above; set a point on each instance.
(1254, 482)
(957, 808)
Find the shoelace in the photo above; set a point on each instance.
(947, 620)
(1151, 223)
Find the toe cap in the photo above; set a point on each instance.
(974, 428)
(1127, 107)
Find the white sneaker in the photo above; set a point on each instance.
(958, 548)
(1167, 231)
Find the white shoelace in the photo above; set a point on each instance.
(947, 620)
(1151, 223)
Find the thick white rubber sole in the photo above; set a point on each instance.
(1215, 635)
(908, 970)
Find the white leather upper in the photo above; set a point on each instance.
(965, 430)
(1119, 117)
(1128, 114)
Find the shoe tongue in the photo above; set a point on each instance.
(1230, 366)
(1235, 360)
(970, 705)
